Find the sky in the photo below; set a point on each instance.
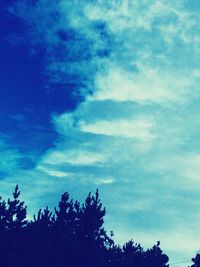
(105, 94)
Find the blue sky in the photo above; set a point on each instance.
(106, 94)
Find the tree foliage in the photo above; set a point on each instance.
(196, 261)
(72, 235)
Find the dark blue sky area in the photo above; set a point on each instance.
(27, 100)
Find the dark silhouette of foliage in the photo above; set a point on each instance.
(71, 236)
(196, 261)
(154, 257)
(12, 213)
(133, 253)
(12, 229)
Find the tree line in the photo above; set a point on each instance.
(72, 235)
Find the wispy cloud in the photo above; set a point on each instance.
(11, 159)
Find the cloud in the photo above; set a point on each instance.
(144, 87)
(135, 135)
(75, 157)
(11, 159)
(50, 172)
(138, 128)
(184, 167)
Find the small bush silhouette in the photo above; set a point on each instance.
(71, 236)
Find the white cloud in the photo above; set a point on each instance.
(74, 157)
(51, 172)
(139, 128)
(144, 87)
(104, 180)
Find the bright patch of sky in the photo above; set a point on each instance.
(120, 95)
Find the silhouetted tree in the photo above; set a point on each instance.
(66, 229)
(196, 261)
(154, 257)
(132, 254)
(92, 236)
(40, 238)
(72, 236)
(115, 256)
(12, 229)
(13, 213)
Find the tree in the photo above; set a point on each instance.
(73, 235)
(13, 213)
(12, 229)
(91, 218)
(196, 261)
(65, 229)
(132, 254)
(92, 237)
(155, 257)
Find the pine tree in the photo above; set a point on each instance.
(132, 254)
(13, 213)
(65, 229)
(74, 236)
(91, 218)
(12, 229)
(155, 257)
